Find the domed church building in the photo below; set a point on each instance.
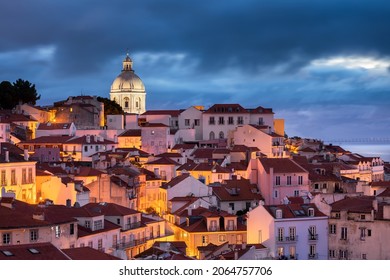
(128, 90)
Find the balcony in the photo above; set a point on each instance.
(286, 239)
(313, 237)
(130, 244)
(132, 225)
(230, 228)
(312, 256)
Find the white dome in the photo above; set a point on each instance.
(127, 81)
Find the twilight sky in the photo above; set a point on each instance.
(323, 66)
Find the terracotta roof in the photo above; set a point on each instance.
(83, 140)
(203, 166)
(55, 139)
(184, 146)
(85, 171)
(261, 110)
(36, 251)
(241, 166)
(237, 190)
(335, 149)
(172, 113)
(226, 109)
(362, 204)
(87, 253)
(151, 125)
(385, 193)
(175, 181)
(109, 209)
(243, 148)
(108, 226)
(281, 165)
(383, 184)
(163, 161)
(290, 211)
(53, 126)
(131, 133)
(169, 155)
(308, 150)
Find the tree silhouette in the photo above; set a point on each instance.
(18, 92)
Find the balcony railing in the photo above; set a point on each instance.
(132, 225)
(312, 256)
(287, 238)
(313, 237)
(130, 244)
(231, 228)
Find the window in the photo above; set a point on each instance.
(277, 181)
(296, 192)
(278, 214)
(13, 177)
(197, 122)
(280, 234)
(261, 121)
(288, 180)
(100, 244)
(7, 238)
(90, 244)
(88, 224)
(362, 233)
(71, 229)
(231, 205)
(343, 254)
(300, 180)
(212, 120)
(312, 251)
(221, 135)
(24, 176)
(280, 251)
(344, 233)
(311, 212)
(292, 233)
(230, 120)
(85, 148)
(332, 254)
(212, 135)
(221, 120)
(316, 186)
(98, 225)
(114, 239)
(57, 230)
(364, 256)
(126, 102)
(362, 217)
(369, 232)
(324, 185)
(30, 176)
(222, 238)
(240, 120)
(96, 148)
(312, 233)
(33, 235)
(205, 239)
(276, 194)
(332, 229)
(187, 122)
(3, 178)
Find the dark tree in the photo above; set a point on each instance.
(26, 92)
(110, 107)
(8, 98)
(19, 92)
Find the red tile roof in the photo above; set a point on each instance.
(175, 181)
(109, 209)
(382, 184)
(131, 133)
(36, 251)
(281, 165)
(226, 109)
(361, 204)
(152, 125)
(55, 139)
(83, 140)
(162, 161)
(87, 253)
(172, 113)
(293, 211)
(53, 126)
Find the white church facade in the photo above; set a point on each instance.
(128, 90)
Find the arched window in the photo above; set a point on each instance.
(126, 100)
(212, 135)
(138, 103)
(221, 135)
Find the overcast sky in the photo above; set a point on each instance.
(323, 66)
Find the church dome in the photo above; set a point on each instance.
(127, 80)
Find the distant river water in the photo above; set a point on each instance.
(368, 149)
